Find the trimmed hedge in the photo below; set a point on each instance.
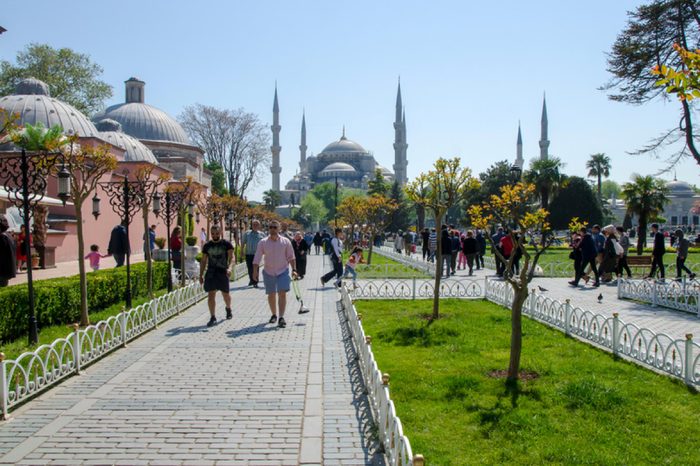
(57, 300)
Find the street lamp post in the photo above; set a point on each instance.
(229, 224)
(25, 180)
(335, 213)
(167, 215)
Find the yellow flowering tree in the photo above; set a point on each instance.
(685, 83)
(436, 191)
(378, 211)
(514, 208)
(351, 212)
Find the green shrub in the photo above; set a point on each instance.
(57, 300)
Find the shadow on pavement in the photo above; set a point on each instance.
(180, 330)
(252, 330)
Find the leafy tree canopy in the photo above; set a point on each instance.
(218, 179)
(610, 188)
(575, 199)
(71, 76)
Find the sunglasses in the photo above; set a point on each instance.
(272, 227)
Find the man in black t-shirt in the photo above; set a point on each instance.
(217, 258)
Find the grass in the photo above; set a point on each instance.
(47, 335)
(378, 268)
(585, 407)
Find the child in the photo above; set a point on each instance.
(354, 259)
(95, 257)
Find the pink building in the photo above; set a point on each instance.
(144, 136)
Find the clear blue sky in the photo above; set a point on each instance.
(469, 72)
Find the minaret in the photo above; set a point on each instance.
(275, 168)
(519, 162)
(544, 142)
(400, 146)
(302, 146)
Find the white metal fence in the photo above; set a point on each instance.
(417, 288)
(682, 296)
(676, 357)
(396, 445)
(35, 371)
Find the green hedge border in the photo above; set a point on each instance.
(57, 300)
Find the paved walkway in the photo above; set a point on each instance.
(243, 392)
(660, 320)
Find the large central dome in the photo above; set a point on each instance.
(143, 121)
(344, 145)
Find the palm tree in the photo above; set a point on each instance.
(599, 166)
(544, 174)
(271, 199)
(645, 197)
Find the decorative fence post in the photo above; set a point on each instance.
(418, 460)
(3, 388)
(653, 294)
(689, 359)
(567, 315)
(76, 348)
(616, 334)
(122, 324)
(533, 301)
(154, 313)
(619, 287)
(414, 288)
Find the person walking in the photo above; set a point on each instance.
(446, 250)
(94, 256)
(575, 254)
(215, 270)
(354, 259)
(176, 247)
(318, 242)
(657, 253)
(21, 249)
(481, 249)
(279, 255)
(622, 260)
(8, 254)
(301, 250)
(336, 259)
(496, 242)
(470, 250)
(398, 242)
(681, 255)
(455, 248)
(425, 242)
(149, 239)
(119, 244)
(506, 251)
(202, 236)
(250, 244)
(609, 263)
(432, 245)
(588, 257)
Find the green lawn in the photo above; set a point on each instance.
(384, 267)
(585, 407)
(47, 335)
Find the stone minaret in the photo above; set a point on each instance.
(400, 146)
(302, 146)
(544, 142)
(276, 149)
(519, 162)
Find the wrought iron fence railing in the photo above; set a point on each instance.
(417, 288)
(676, 357)
(397, 447)
(35, 371)
(680, 295)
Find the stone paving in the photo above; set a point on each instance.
(243, 392)
(660, 320)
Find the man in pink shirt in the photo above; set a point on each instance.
(279, 255)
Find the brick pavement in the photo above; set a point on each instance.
(243, 392)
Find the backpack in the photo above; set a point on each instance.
(327, 247)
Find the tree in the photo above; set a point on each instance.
(646, 198)
(378, 184)
(497, 175)
(313, 209)
(352, 211)
(400, 219)
(574, 199)
(87, 165)
(645, 45)
(234, 139)
(71, 76)
(610, 188)
(218, 178)
(598, 167)
(377, 211)
(544, 174)
(514, 207)
(271, 199)
(438, 190)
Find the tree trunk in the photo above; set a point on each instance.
(600, 188)
(420, 216)
(516, 333)
(84, 316)
(438, 269)
(147, 252)
(642, 239)
(372, 238)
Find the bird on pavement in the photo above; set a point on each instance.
(600, 298)
(541, 288)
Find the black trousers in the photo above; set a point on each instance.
(337, 269)
(657, 261)
(622, 266)
(680, 266)
(301, 266)
(249, 264)
(584, 264)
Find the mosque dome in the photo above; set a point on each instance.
(111, 131)
(33, 103)
(143, 121)
(344, 145)
(680, 189)
(338, 169)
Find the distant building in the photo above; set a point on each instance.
(344, 160)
